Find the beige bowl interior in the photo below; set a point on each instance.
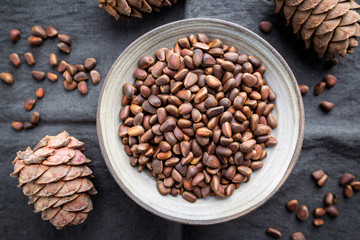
(264, 183)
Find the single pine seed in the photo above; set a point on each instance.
(303, 213)
(29, 58)
(29, 104)
(326, 106)
(298, 236)
(274, 232)
(15, 59)
(265, 26)
(292, 205)
(52, 77)
(304, 89)
(40, 93)
(51, 31)
(318, 222)
(38, 75)
(53, 59)
(14, 35)
(17, 125)
(319, 88)
(34, 118)
(330, 80)
(7, 77)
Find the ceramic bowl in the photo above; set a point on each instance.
(280, 160)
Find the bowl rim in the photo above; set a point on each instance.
(298, 143)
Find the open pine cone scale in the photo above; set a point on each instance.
(331, 27)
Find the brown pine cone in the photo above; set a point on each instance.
(132, 8)
(55, 177)
(330, 27)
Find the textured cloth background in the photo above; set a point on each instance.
(331, 140)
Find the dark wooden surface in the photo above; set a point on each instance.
(331, 140)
